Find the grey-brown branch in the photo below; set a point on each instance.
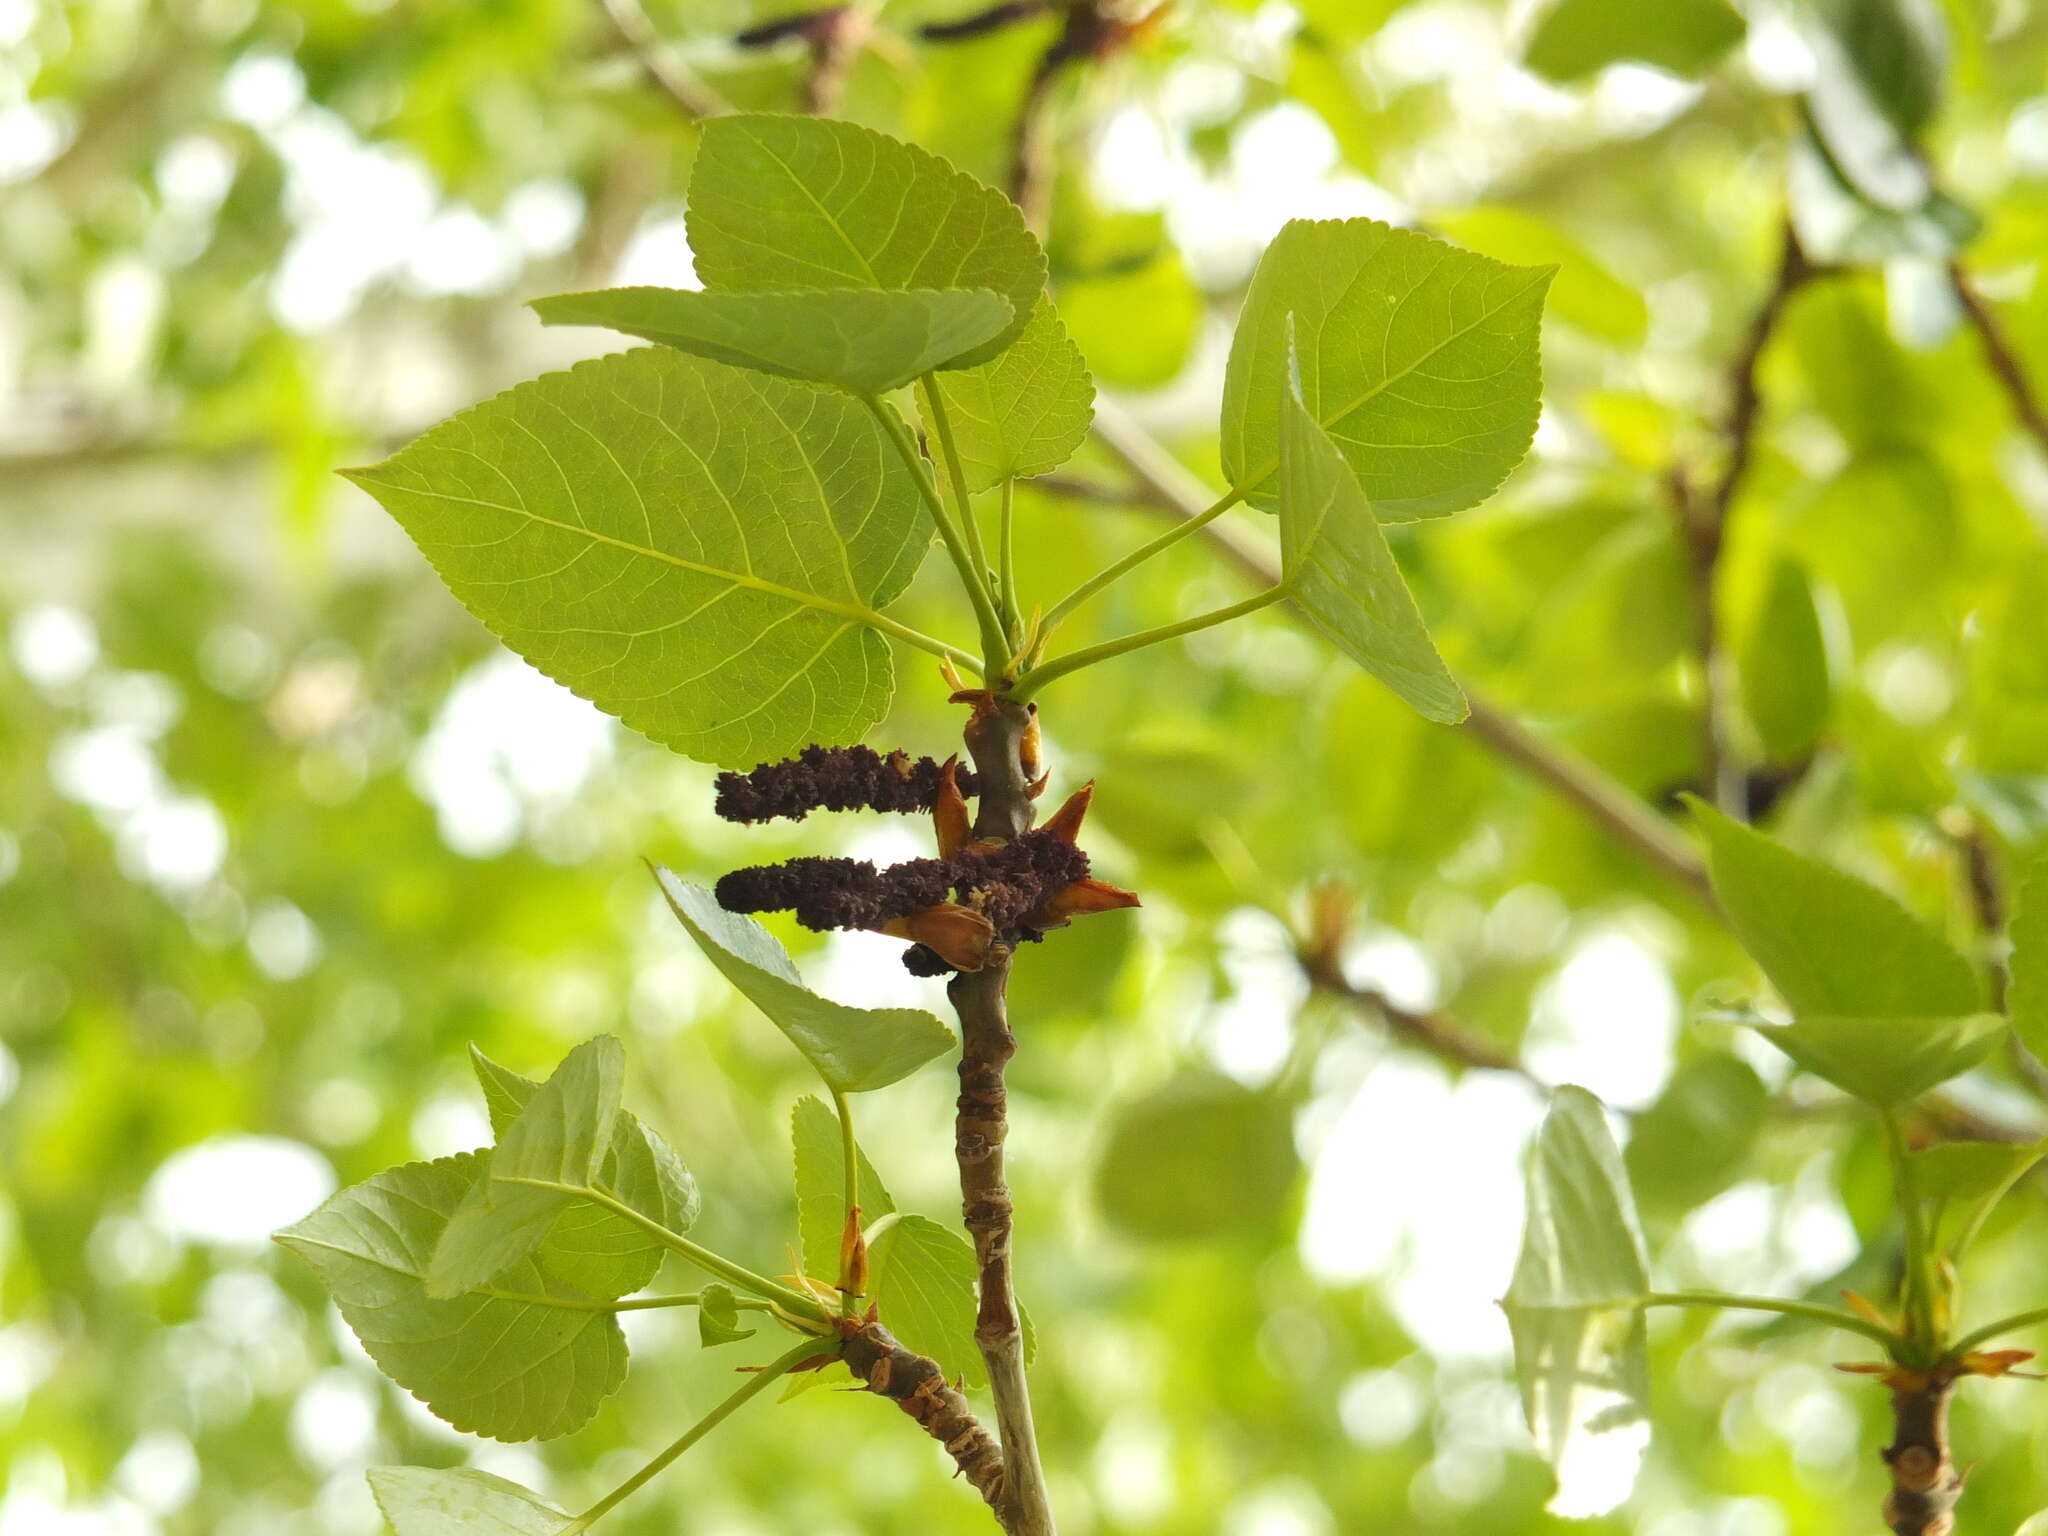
(996, 739)
(917, 1385)
(1925, 1483)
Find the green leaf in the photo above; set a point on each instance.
(1830, 943)
(923, 1279)
(1786, 688)
(821, 1187)
(1886, 1059)
(718, 1317)
(1025, 412)
(1696, 1138)
(1687, 38)
(526, 1357)
(1574, 1305)
(853, 1049)
(2027, 998)
(1418, 358)
(800, 202)
(1136, 321)
(1340, 571)
(550, 1152)
(1892, 53)
(461, 1501)
(590, 1246)
(699, 550)
(1202, 1157)
(1970, 1170)
(864, 340)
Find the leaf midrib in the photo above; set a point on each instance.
(859, 612)
(491, 1291)
(1259, 477)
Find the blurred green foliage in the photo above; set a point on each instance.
(281, 833)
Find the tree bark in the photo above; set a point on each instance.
(999, 738)
(1925, 1483)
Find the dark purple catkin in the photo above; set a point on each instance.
(1005, 883)
(833, 779)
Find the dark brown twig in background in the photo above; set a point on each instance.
(658, 61)
(2003, 361)
(1703, 520)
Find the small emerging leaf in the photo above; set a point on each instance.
(867, 341)
(718, 1317)
(799, 202)
(461, 1501)
(591, 1247)
(1025, 412)
(1339, 569)
(853, 1049)
(1574, 1306)
(552, 1151)
(1419, 359)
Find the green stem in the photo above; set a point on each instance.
(784, 1298)
(633, 1304)
(1087, 656)
(1013, 605)
(1140, 555)
(971, 575)
(849, 1158)
(956, 477)
(1990, 1331)
(924, 642)
(1849, 1322)
(1917, 1299)
(754, 1385)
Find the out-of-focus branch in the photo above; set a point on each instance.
(1703, 519)
(658, 62)
(834, 36)
(1170, 487)
(1088, 30)
(1999, 354)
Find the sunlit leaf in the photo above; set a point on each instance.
(1577, 38)
(1339, 570)
(795, 202)
(524, 1357)
(550, 1153)
(1585, 293)
(1025, 412)
(853, 1049)
(1202, 1157)
(821, 1187)
(864, 340)
(1418, 358)
(461, 1501)
(699, 550)
(1580, 1345)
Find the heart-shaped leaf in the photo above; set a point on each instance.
(923, 1282)
(866, 341)
(853, 1049)
(1419, 359)
(779, 203)
(524, 1356)
(702, 551)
